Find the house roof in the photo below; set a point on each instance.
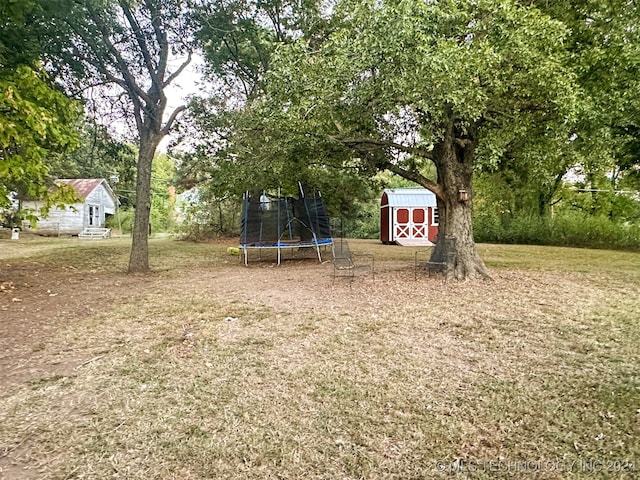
(84, 186)
(410, 197)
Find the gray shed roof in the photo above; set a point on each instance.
(410, 197)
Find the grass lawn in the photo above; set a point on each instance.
(206, 369)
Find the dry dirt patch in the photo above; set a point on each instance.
(37, 301)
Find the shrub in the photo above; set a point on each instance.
(122, 221)
(566, 229)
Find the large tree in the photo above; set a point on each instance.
(37, 121)
(239, 39)
(604, 44)
(133, 50)
(399, 85)
(603, 47)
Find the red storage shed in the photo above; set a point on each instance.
(408, 216)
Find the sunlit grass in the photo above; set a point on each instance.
(215, 370)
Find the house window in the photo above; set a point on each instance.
(435, 216)
(94, 216)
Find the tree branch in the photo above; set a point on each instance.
(374, 143)
(416, 177)
(356, 144)
(137, 114)
(108, 81)
(180, 69)
(172, 119)
(99, 63)
(161, 37)
(137, 31)
(128, 77)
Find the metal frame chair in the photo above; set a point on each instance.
(444, 259)
(346, 263)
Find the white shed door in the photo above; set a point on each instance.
(410, 223)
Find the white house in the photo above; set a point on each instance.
(97, 201)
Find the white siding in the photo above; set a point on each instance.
(100, 196)
(74, 218)
(69, 221)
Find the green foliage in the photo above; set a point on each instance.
(625, 208)
(203, 217)
(603, 47)
(570, 228)
(19, 43)
(579, 215)
(99, 155)
(162, 194)
(35, 122)
(363, 222)
(230, 37)
(238, 38)
(224, 164)
(379, 91)
(122, 220)
(231, 154)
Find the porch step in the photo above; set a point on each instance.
(94, 233)
(414, 242)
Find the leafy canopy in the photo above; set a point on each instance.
(35, 120)
(392, 74)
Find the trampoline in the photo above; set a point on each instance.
(276, 222)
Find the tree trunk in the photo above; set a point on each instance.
(453, 157)
(139, 257)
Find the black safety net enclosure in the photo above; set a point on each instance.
(276, 222)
